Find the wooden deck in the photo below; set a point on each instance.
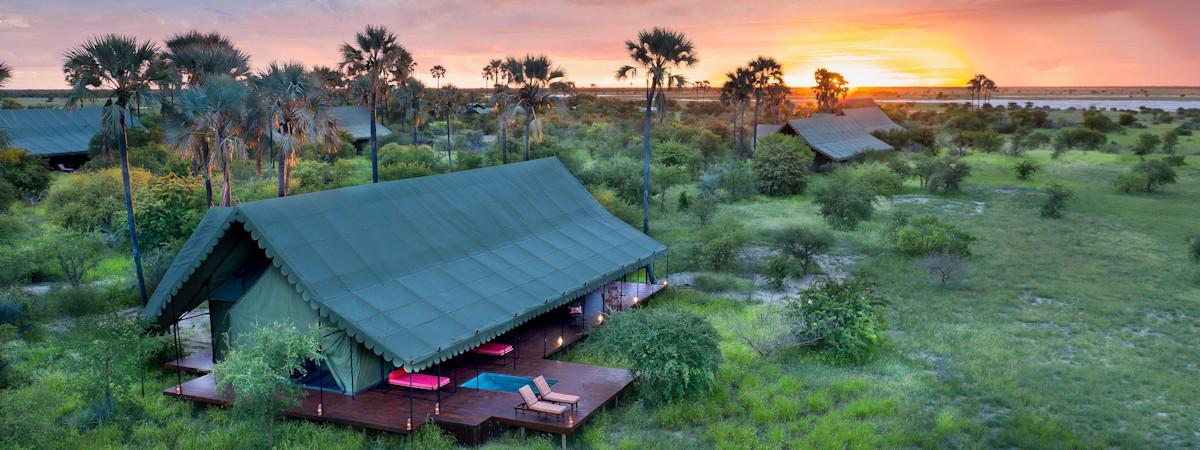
(470, 414)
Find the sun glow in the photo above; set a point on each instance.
(878, 58)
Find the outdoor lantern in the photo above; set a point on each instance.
(178, 389)
(571, 420)
(408, 424)
(320, 409)
(600, 318)
(437, 408)
(560, 341)
(664, 283)
(635, 299)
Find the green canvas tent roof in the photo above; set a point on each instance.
(423, 269)
(52, 132)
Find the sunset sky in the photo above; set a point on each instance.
(873, 43)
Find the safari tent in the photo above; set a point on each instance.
(403, 274)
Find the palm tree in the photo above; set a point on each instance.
(215, 110)
(988, 87)
(736, 93)
(119, 67)
(294, 98)
(403, 68)
(450, 97)
(438, 73)
(765, 72)
(534, 78)
(412, 97)
(974, 85)
(333, 81)
(657, 53)
(5, 74)
(493, 71)
(371, 58)
(195, 55)
(830, 89)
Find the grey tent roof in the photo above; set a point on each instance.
(420, 270)
(857, 102)
(356, 120)
(766, 129)
(845, 136)
(52, 132)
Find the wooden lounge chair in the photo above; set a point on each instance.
(556, 397)
(402, 378)
(532, 403)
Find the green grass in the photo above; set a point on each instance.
(1077, 332)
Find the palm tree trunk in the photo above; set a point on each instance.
(123, 148)
(754, 134)
(227, 182)
(205, 157)
(374, 144)
(449, 146)
(282, 191)
(646, 171)
(528, 120)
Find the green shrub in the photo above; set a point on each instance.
(1025, 169)
(926, 235)
(803, 244)
(721, 282)
(74, 252)
(844, 201)
(781, 165)
(25, 172)
(111, 353)
(1175, 160)
(313, 176)
(19, 263)
(168, 209)
(1056, 200)
(675, 352)
(1194, 248)
(878, 176)
(1146, 176)
(468, 160)
(260, 372)
(625, 211)
(1077, 138)
(843, 317)
(1147, 143)
(779, 267)
(721, 243)
(91, 201)
(948, 175)
(397, 162)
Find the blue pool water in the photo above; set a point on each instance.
(501, 383)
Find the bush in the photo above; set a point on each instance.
(19, 264)
(986, 141)
(314, 176)
(1097, 121)
(1077, 138)
(843, 317)
(1194, 248)
(926, 235)
(110, 355)
(397, 162)
(1056, 200)
(1025, 169)
(1147, 143)
(944, 267)
(260, 372)
(803, 244)
(1175, 160)
(721, 243)
(168, 209)
(74, 252)
(781, 165)
(948, 175)
(674, 352)
(1026, 139)
(779, 267)
(1146, 176)
(25, 172)
(625, 211)
(768, 332)
(844, 201)
(92, 201)
(881, 178)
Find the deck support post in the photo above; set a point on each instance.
(409, 426)
(437, 407)
(321, 400)
(544, 338)
(178, 360)
(564, 441)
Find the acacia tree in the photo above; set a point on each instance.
(830, 89)
(657, 54)
(765, 73)
(118, 67)
(534, 79)
(736, 93)
(374, 52)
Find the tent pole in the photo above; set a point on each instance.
(410, 402)
(321, 401)
(543, 339)
(352, 390)
(477, 374)
(437, 407)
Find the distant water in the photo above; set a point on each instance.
(1077, 103)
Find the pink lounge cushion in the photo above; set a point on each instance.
(400, 377)
(493, 349)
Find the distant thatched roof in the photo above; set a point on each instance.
(53, 132)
